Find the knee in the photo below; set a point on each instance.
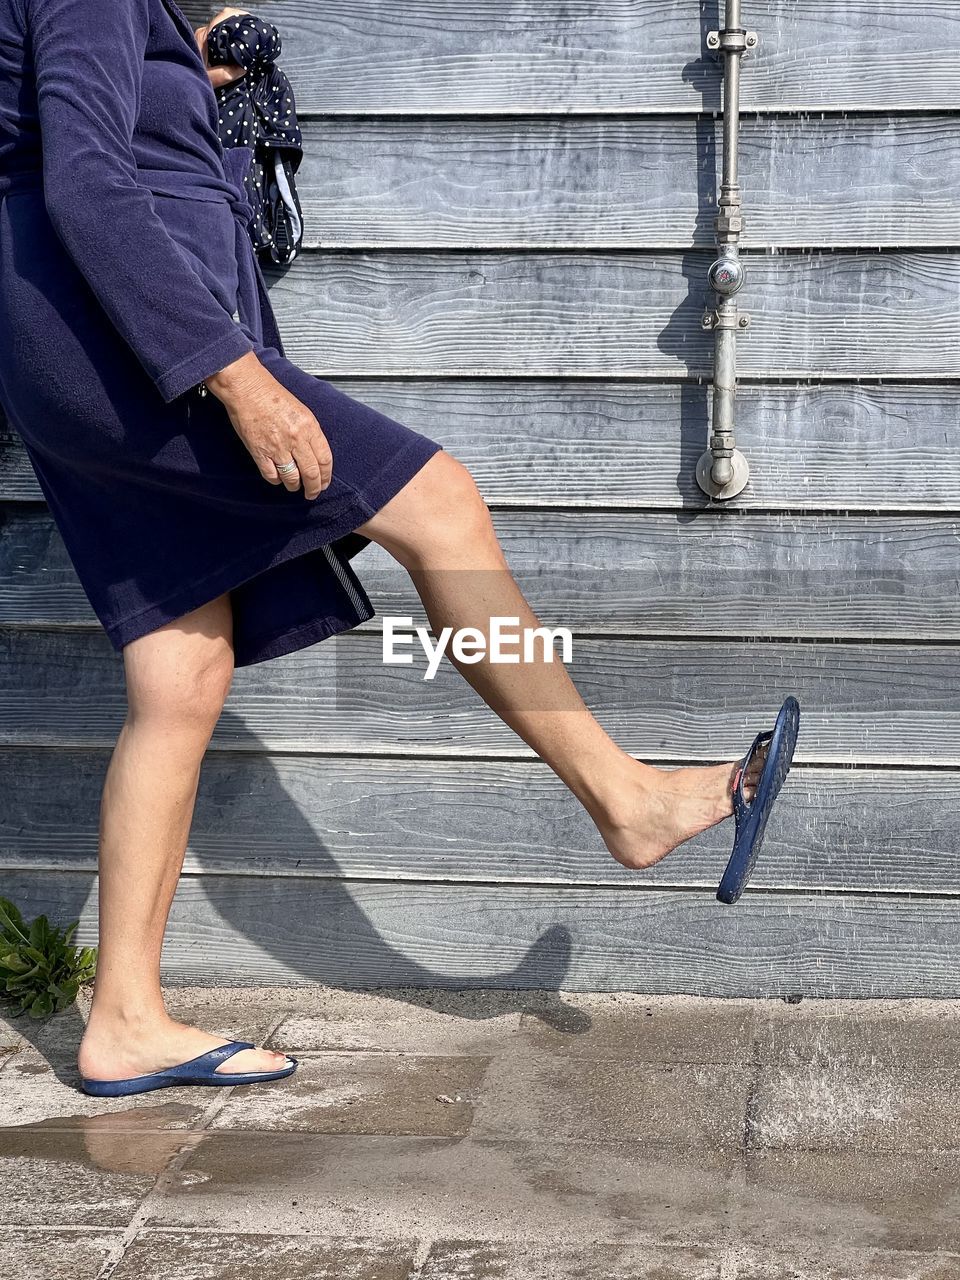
(453, 510)
(181, 686)
(438, 513)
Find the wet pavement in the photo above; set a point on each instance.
(436, 1135)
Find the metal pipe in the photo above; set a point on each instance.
(723, 471)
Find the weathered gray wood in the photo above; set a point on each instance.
(882, 831)
(601, 314)
(634, 183)
(663, 699)
(587, 443)
(721, 573)
(18, 483)
(267, 930)
(646, 55)
(521, 892)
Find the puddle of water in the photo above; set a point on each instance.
(136, 1141)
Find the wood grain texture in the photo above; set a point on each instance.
(662, 699)
(436, 56)
(238, 929)
(573, 443)
(875, 181)
(484, 821)
(529, 292)
(602, 314)
(716, 573)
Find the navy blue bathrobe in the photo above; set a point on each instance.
(127, 276)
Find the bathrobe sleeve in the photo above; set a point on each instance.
(88, 59)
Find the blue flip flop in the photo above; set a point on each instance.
(751, 819)
(200, 1070)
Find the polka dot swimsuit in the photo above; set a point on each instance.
(259, 111)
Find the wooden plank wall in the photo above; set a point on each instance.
(509, 213)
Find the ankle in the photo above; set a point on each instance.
(610, 796)
(126, 1015)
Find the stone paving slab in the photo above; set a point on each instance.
(481, 1260)
(63, 1178)
(634, 1028)
(56, 1038)
(568, 1192)
(612, 1137)
(609, 1025)
(820, 1200)
(217, 1255)
(853, 1034)
(443, 1023)
(679, 1105)
(822, 1106)
(842, 1264)
(30, 1253)
(376, 1093)
(464, 1260)
(446, 1188)
(240, 1013)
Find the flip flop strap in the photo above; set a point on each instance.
(210, 1060)
(740, 804)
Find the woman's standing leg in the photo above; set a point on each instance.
(439, 528)
(177, 680)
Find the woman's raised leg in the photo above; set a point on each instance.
(177, 679)
(439, 528)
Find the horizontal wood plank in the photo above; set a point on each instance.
(874, 181)
(719, 573)
(662, 699)
(617, 314)
(644, 55)
(879, 831)
(275, 931)
(576, 443)
(453, 248)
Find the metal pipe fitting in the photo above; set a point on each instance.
(723, 471)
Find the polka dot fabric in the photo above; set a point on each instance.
(259, 111)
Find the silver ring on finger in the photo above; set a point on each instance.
(285, 467)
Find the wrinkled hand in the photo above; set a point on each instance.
(219, 76)
(274, 425)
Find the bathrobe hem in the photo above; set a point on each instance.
(356, 605)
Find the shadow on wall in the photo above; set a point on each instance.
(258, 928)
(237, 922)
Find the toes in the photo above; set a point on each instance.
(756, 765)
(253, 1060)
(751, 776)
(277, 1060)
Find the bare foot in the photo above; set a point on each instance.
(115, 1051)
(665, 807)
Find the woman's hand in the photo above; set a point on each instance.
(274, 425)
(219, 76)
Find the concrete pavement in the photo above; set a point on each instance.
(435, 1135)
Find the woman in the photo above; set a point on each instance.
(203, 526)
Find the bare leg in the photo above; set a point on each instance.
(438, 527)
(177, 679)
